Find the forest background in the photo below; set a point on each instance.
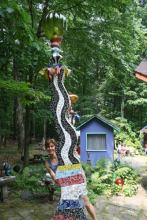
(104, 43)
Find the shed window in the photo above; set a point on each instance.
(96, 142)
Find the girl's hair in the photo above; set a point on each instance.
(48, 141)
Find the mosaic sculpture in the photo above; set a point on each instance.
(72, 114)
(69, 172)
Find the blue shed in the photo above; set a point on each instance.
(97, 139)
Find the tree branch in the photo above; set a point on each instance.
(80, 29)
(65, 9)
(43, 16)
(31, 11)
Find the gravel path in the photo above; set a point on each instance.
(135, 161)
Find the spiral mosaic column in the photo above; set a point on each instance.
(69, 172)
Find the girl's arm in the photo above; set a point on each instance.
(50, 171)
(83, 174)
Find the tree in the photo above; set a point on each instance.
(101, 46)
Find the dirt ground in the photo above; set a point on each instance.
(10, 153)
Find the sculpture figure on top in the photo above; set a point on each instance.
(56, 57)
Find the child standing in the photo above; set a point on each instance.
(119, 149)
(124, 148)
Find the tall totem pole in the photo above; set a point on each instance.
(69, 172)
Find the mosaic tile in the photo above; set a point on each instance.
(72, 213)
(69, 174)
(73, 192)
(69, 204)
(61, 217)
(66, 173)
(68, 167)
(70, 180)
(68, 126)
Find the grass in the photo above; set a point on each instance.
(39, 209)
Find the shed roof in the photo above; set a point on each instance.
(143, 130)
(106, 121)
(141, 71)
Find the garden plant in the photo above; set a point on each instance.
(102, 179)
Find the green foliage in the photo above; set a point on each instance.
(99, 187)
(103, 166)
(116, 189)
(22, 90)
(127, 174)
(129, 190)
(87, 168)
(92, 196)
(5, 132)
(126, 134)
(141, 136)
(104, 43)
(125, 130)
(95, 177)
(104, 175)
(28, 180)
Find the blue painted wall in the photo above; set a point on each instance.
(95, 125)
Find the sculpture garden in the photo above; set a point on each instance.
(67, 72)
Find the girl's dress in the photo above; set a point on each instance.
(53, 167)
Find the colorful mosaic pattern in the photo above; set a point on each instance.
(69, 172)
(66, 173)
(61, 217)
(68, 167)
(69, 204)
(70, 180)
(77, 214)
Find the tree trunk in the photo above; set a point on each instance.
(31, 131)
(31, 126)
(44, 128)
(18, 113)
(21, 132)
(122, 104)
(141, 116)
(26, 146)
(14, 119)
(27, 124)
(34, 129)
(15, 77)
(28, 108)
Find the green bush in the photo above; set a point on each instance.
(104, 175)
(95, 177)
(28, 180)
(129, 190)
(101, 179)
(116, 189)
(103, 165)
(127, 174)
(87, 168)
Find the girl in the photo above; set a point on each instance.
(119, 149)
(51, 165)
(124, 148)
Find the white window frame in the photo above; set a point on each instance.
(87, 141)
